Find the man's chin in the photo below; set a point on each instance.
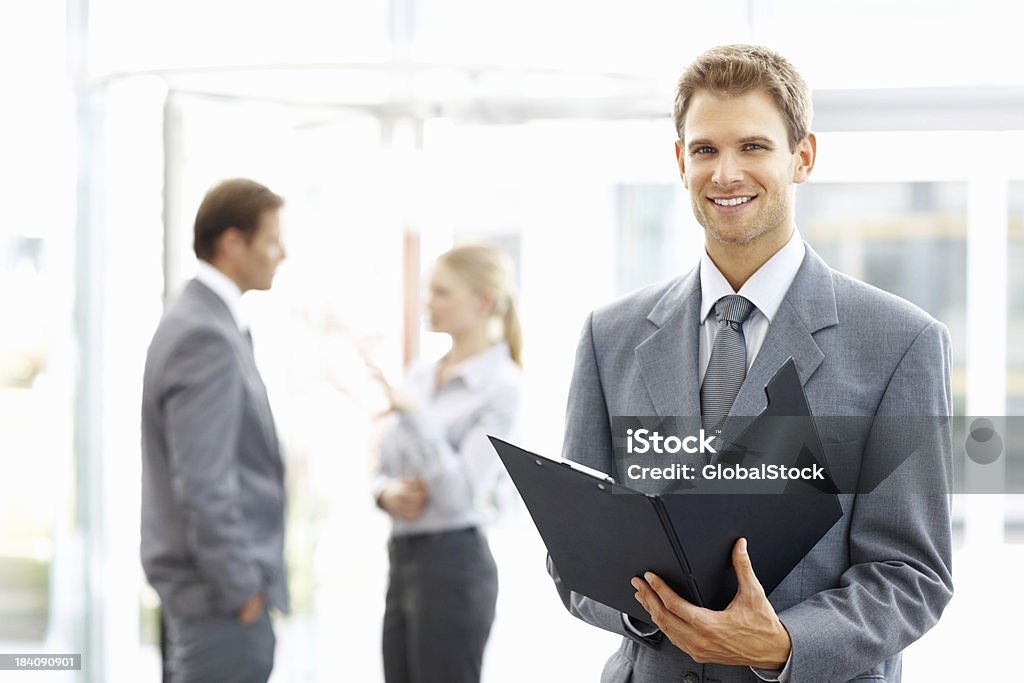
(733, 237)
(737, 236)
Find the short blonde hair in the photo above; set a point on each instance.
(738, 69)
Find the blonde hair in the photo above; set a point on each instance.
(738, 69)
(489, 271)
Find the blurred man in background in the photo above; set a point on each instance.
(212, 474)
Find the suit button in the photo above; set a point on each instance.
(691, 677)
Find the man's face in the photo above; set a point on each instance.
(258, 258)
(736, 163)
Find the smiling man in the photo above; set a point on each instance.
(706, 344)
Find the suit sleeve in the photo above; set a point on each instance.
(899, 579)
(588, 441)
(203, 412)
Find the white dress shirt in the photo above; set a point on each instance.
(443, 439)
(765, 289)
(225, 288)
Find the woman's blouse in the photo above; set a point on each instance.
(443, 439)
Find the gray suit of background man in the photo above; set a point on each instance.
(212, 474)
(881, 577)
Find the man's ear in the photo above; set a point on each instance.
(806, 152)
(681, 162)
(228, 243)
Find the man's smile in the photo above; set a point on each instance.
(731, 204)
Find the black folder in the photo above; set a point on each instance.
(600, 534)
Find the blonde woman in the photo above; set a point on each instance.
(437, 468)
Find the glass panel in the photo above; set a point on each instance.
(906, 238)
(26, 511)
(41, 610)
(1013, 519)
(1015, 300)
(648, 248)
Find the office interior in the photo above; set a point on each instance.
(395, 129)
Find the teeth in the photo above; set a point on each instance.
(735, 201)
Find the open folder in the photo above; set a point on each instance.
(600, 534)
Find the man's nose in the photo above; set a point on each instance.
(728, 170)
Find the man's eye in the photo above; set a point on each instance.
(703, 149)
(753, 145)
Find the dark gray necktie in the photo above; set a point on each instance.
(727, 367)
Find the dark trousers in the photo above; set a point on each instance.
(219, 650)
(440, 606)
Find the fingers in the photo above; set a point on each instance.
(670, 599)
(409, 509)
(377, 374)
(415, 483)
(679, 631)
(416, 505)
(647, 597)
(745, 576)
(405, 498)
(412, 499)
(251, 610)
(416, 489)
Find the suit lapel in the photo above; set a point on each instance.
(668, 358)
(255, 380)
(219, 312)
(809, 306)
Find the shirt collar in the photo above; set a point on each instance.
(475, 371)
(226, 289)
(765, 288)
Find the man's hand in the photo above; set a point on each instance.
(404, 498)
(252, 609)
(746, 633)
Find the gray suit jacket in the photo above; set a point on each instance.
(881, 577)
(212, 475)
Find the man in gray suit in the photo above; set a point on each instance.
(880, 577)
(212, 474)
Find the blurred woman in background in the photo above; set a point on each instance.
(437, 470)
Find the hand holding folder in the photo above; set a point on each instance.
(601, 534)
(712, 636)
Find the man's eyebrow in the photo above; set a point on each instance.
(761, 139)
